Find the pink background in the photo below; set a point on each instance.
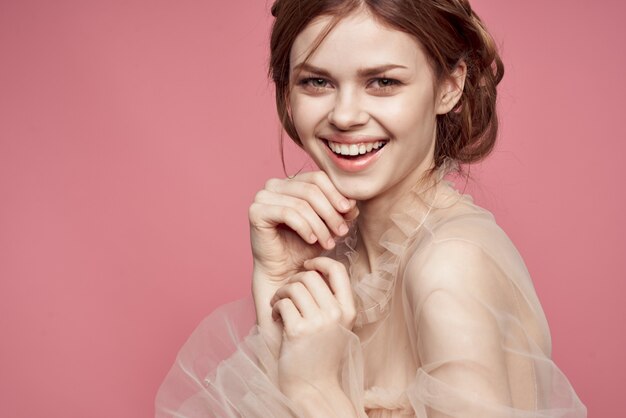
(133, 136)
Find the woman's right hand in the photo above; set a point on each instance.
(293, 220)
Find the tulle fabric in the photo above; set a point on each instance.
(448, 326)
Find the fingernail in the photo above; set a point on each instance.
(344, 205)
(343, 229)
(312, 238)
(330, 243)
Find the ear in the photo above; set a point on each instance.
(451, 89)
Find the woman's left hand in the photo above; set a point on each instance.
(317, 318)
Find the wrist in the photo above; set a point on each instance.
(262, 280)
(263, 289)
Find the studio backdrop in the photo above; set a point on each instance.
(134, 135)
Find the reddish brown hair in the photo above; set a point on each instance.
(449, 31)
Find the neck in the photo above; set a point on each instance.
(374, 214)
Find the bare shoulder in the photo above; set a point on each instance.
(454, 266)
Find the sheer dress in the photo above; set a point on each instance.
(449, 325)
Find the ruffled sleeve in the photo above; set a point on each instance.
(226, 369)
(482, 344)
(222, 369)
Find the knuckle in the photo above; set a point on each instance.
(335, 314)
(310, 190)
(316, 324)
(297, 287)
(310, 277)
(319, 176)
(286, 212)
(302, 206)
(253, 211)
(271, 184)
(338, 268)
(298, 330)
(283, 303)
(260, 195)
(350, 314)
(307, 285)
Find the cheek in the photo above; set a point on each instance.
(409, 114)
(307, 113)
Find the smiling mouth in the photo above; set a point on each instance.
(355, 151)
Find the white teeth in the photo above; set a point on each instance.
(355, 149)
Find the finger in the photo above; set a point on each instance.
(338, 278)
(300, 296)
(318, 287)
(269, 216)
(319, 228)
(352, 214)
(321, 179)
(316, 199)
(288, 313)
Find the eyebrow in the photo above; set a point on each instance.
(362, 72)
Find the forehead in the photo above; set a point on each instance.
(356, 40)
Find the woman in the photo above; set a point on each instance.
(378, 289)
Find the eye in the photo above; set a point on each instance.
(384, 83)
(313, 83)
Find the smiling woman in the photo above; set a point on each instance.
(351, 109)
(378, 289)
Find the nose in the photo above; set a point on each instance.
(347, 111)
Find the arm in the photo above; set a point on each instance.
(263, 290)
(454, 294)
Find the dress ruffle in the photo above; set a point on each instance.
(373, 291)
(226, 368)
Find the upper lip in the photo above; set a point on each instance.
(352, 139)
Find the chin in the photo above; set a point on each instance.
(353, 188)
(360, 187)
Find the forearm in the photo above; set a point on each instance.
(263, 290)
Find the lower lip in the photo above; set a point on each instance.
(353, 165)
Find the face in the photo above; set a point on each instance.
(365, 105)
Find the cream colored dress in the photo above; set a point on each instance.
(448, 326)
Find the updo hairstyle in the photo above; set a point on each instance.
(449, 32)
